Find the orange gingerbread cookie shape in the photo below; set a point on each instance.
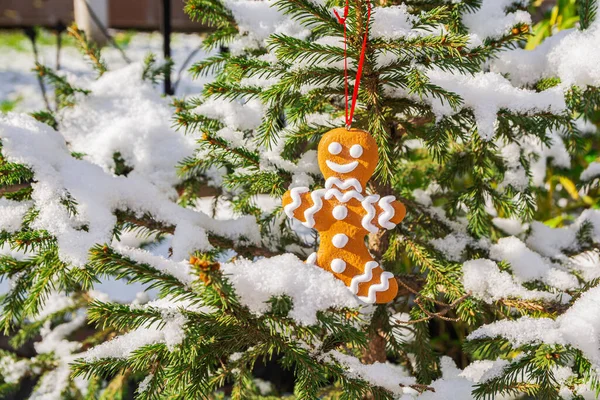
(344, 214)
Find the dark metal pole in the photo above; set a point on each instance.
(166, 32)
(31, 33)
(59, 29)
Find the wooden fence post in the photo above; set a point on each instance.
(88, 22)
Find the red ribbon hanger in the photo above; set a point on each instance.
(361, 61)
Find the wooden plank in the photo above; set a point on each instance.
(48, 13)
(146, 14)
(122, 14)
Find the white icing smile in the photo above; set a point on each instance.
(342, 168)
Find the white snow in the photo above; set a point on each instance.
(11, 214)
(550, 242)
(54, 382)
(491, 20)
(56, 301)
(509, 225)
(97, 193)
(180, 270)
(487, 92)
(579, 327)
(186, 239)
(592, 171)
(592, 216)
(18, 82)
(486, 282)
(454, 383)
(587, 264)
(127, 115)
(143, 386)
(11, 370)
(385, 375)
(571, 55)
(172, 333)
(392, 22)
(311, 289)
(452, 246)
(484, 370)
(422, 197)
(402, 332)
(539, 156)
(528, 265)
(234, 114)
(257, 20)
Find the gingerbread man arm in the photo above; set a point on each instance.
(295, 203)
(390, 212)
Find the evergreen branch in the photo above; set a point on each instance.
(154, 73)
(104, 261)
(215, 240)
(124, 317)
(64, 91)
(46, 117)
(231, 91)
(587, 12)
(315, 16)
(292, 50)
(210, 65)
(88, 48)
(210, 12)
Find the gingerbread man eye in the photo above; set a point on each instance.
(334, 148)
(356, 151)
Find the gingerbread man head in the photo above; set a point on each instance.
(348, 154)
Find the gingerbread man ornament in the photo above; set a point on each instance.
(344, 214)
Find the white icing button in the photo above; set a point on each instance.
(312, 259)
(340, 212)
(339, 240)
(338, 265)
(356, 151)
(334, 148)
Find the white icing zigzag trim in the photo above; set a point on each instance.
(364, 277)
(343, 198)
(309, 214)
(382, 286)
(296, 200)
(367, 204)
(341, 168)
(388, 212)
(343, 184)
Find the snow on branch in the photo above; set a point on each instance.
(491, 20)
(571, 55)
(579, 327)
(97, 193)
(311, 289)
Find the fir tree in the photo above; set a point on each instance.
(491, 147)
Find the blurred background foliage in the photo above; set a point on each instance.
(553, 17)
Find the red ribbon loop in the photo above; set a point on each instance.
(361, 61)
